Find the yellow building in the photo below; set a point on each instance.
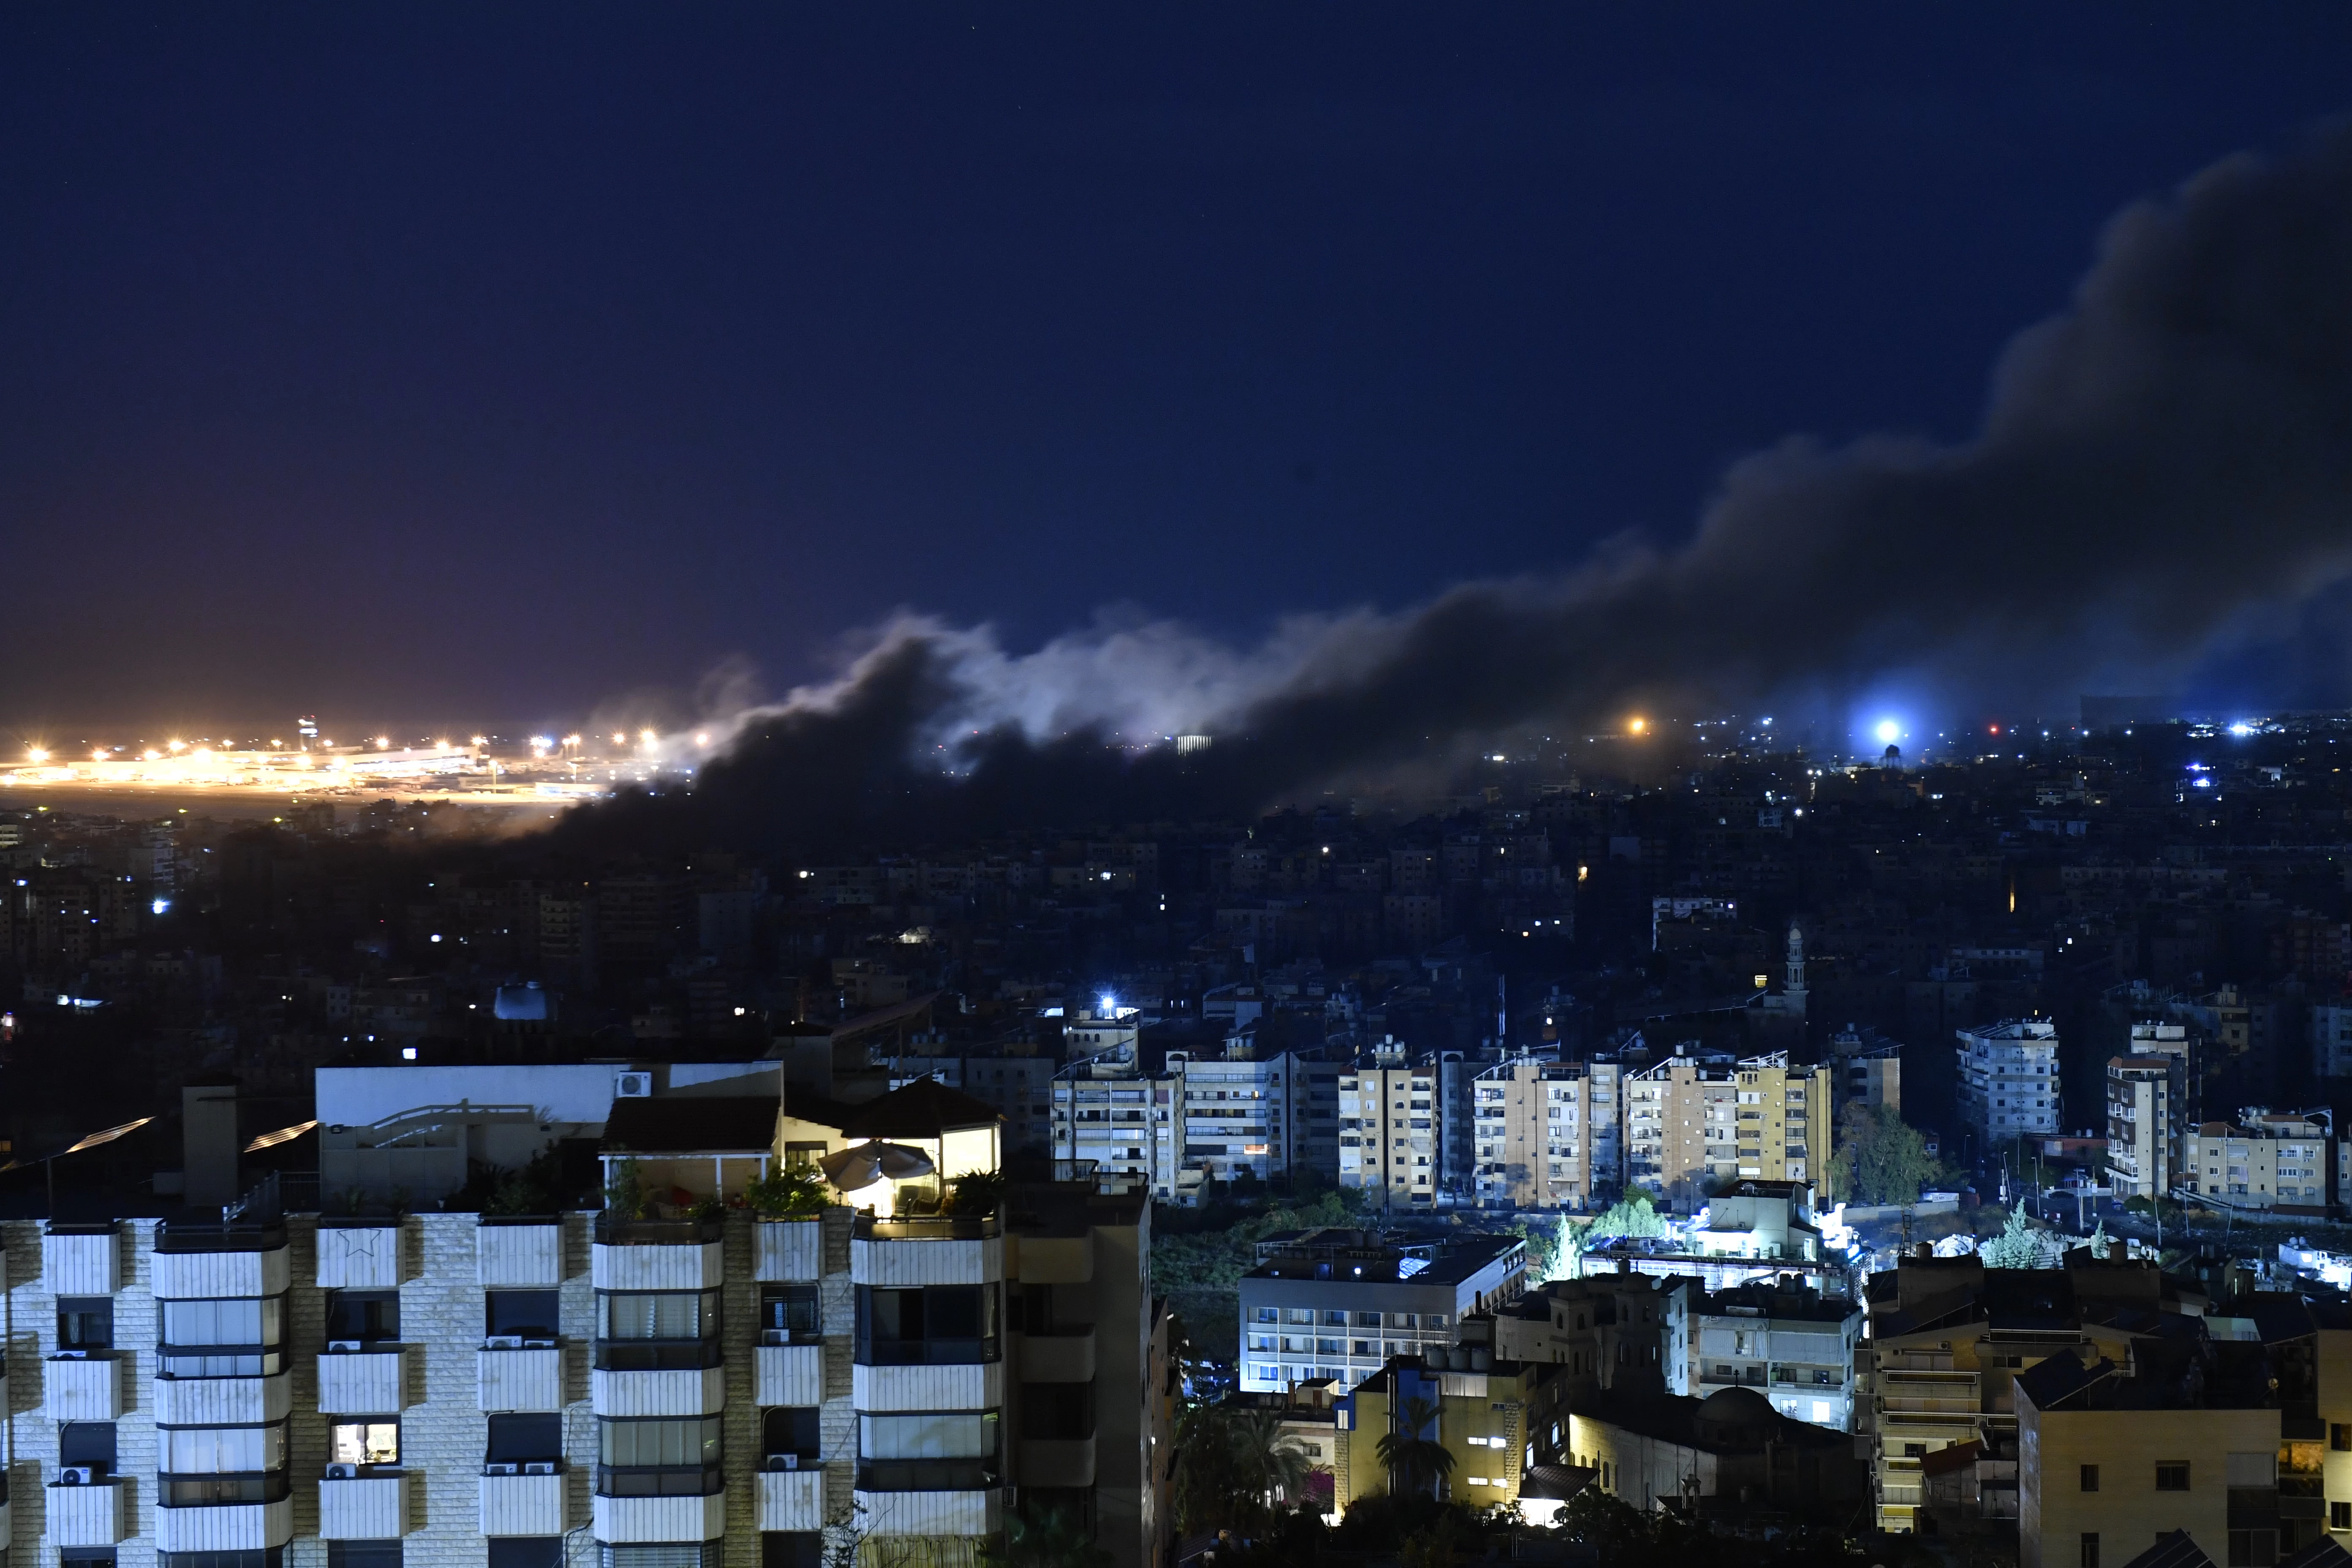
(2109, 1458)
(1540, 1129)
(1690, 1124)
(2268, 1160)
(1495, 1417)
(1388, 1140)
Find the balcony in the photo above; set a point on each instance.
(792, 1251)
(363, 1508)
(85, 1387)
(81, 1260)
(626, 1520)
(359, 1255)
(211, 1275)
(947, 1249)
(223, 1400)
(512, 1381)
(226, 1526)
(364, 1383)
(790, 1374)
(657, 1254)
(1060, 1357)
(791, 1499)
(968, 1385)
(1058, 1462)
(90, 1514)
(692, 1391)
(524, 1505)
(966, 1513)
(519, 1253)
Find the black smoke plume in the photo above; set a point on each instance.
(2165, 464)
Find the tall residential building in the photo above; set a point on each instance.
(1869, 1068)
(1103, 1113)
(1388, 1140)
(1538, 1130)
(1795, 1347)
(2330, 1030)
(2266, 1160)
(2008, 1081)
(1691, 1124)
(1219, 1117)
(2147, 1111)
(1336, 1303)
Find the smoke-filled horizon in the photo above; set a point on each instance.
(2162, 469)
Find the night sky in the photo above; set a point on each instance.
(483, 363)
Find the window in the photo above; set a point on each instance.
(935, 1325)
(88, 1443)
(363, 1443)
(85, 1322)
(664, 1458)
(789, 1314)
(2172, 1476)
(222, 1324)
(2090, 1550)
(789, 1429)
(260, 1557)
(1057, 1412)
(2339, 1516)
(364, 1554)
(2339, 1436)
(525, 1440)
(2090, 1477)
(658, 1315)
(787, 1549)
(521, 1314)
(366, 1316)
(220, 1450)
(526, 1551)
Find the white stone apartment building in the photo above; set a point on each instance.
(2008, 1079)
(1338, 1303)
(1217, 1117)
(253, 1389)
(2146, 1111)
(2266, 1160)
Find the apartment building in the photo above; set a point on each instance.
(2143, 1093)
(2008, 1081)
(2273, 1160)
(1692, 1124)
(1537, 1133)
(2180, 1436)
(250, 1388)
(1605, 1331)
(1336, 1304)
(1390, 1144)
(1791, 1343)
(1486, 1412)
(1868, 1067)
(2329, 1030)
(1948, 1338)
(1103, 1114)
(1019, 1087)
(1222, 1118)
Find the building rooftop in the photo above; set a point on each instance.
(1462, 1257)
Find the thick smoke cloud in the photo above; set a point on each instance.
(2165, 463)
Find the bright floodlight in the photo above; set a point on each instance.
(1889, 731)
(1109, 1003)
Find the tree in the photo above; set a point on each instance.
(1052, 1540)
(1235, 1469)
(1880, 1158)
(2017, 1246)
(1413, 1461)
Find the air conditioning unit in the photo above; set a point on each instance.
(337, 1346)
(342, 1472)
(539, 1344)
(72, 1355)
(633, 1085)
(501, 1468)
(540, 1468)
(77, 1475)
(784, 1461)
(503, 1343)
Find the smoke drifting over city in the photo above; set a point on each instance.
(2161, 467)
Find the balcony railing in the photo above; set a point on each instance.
(926, 1228)
(683, 1480)
(614, 1231)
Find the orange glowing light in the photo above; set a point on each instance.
(1638, 725)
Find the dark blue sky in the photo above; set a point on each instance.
(480, 362)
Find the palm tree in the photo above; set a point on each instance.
(1412, 1460)
(1270, 1464)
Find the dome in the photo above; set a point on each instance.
(1738, 1417)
